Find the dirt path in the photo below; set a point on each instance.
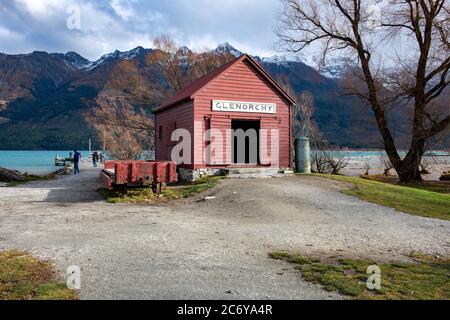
(205, 249)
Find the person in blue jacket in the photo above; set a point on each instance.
(76, 162)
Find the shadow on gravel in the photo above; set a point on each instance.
(73, 196)
(68, 189)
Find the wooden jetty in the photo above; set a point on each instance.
(63, 162)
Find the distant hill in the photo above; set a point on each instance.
(43, 97)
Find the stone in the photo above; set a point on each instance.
(10, 175)
(190, 175)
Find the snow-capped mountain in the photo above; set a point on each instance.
(227, 48)
(42, 92)
(279, 60)
(336, 68)
(118, 55)
(75, 60)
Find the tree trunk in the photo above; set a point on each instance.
(409, 173)
(409, 169)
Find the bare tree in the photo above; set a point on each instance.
(419, 77)
(426, 165)
(129, 79)
(180, 66)
(326, 161)
(303, 116)
(386, 163)
(125, 130)
(303, 110)
(367, 168)
(338, 161)
(303, 125)
(319, 161)
(119, 113)
(123, 144)
(429, 161)
(171, 62)
(205, 62)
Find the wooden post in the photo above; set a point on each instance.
(158, 188)
(124, 190)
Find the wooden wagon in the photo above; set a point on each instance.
(121, 175)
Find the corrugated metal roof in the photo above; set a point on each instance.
(190, 90)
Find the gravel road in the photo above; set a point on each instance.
(197, 249)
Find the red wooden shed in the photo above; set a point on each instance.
(238, 95)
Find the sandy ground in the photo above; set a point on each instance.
(196, 249)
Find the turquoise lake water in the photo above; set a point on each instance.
(34, 162)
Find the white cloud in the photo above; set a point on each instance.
(125, 24)
(7, 34)
(123, 9)
(42, 9)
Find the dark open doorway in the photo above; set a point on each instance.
(246, 141)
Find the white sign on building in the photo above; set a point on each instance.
(248, 107)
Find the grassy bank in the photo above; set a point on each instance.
(145, 195)
(409, 199)
(435, 186)
(25, 177)
(425, 279)
(23, 277)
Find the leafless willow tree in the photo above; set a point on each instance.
(418, 76)
(338, 160)
(303, 125)
(429, 161)
(302, 112)
(319, 161)
(386, 163)
(303, 116)
(324, 160)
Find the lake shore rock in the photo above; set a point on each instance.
(7, 175)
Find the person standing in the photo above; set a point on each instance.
(95, 158)
(76, 162)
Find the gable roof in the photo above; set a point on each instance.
(190, 90)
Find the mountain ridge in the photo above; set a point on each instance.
(43, 97)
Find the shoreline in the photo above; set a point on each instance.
(12, 178)
(39, 162)
(359, 159)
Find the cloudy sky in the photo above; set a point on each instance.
(107, 25)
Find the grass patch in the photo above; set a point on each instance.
(408, 199)
(425, 279)
(23, 277)
(145, 195)
(435, 186)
